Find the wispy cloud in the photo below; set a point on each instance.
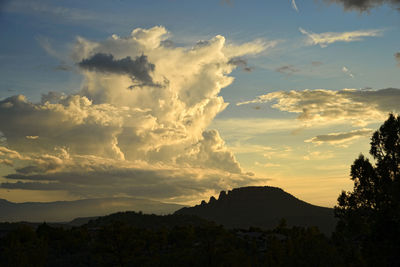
(61, 14)
(397, 58)
(326, 106)
(73, 14)
(341, 138)
(46, 45)
(316, 63)
(294, 6)
(318, 155)
(346, 71)
(287, 69)
(267, 165)
(327, 38)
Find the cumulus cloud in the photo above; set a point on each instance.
(341, 138)
(138, 69)
(326, 106)
(365, 5)
(327, 38)
(115, 135)
(397, 57)
(211, 151)
(287, 69)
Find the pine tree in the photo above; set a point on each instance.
(368, 230)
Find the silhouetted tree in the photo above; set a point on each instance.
(368, 230)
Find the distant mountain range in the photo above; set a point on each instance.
(262, 207)
(65, 211)
(243, 207)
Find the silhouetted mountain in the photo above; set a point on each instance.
(65, 211)
(262, 207)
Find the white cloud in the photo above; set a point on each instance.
(346, 71)
(114, 123)
(294, 6)
(327, 38)
(358, 107)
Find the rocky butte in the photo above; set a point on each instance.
(262, 207)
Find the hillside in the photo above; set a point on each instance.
(64, 211)
(148, 221)
(262, 207)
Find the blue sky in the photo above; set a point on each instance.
(188, 21)
(38, 42)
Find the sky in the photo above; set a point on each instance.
(176, 100)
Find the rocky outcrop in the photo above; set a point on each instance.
(262, 207)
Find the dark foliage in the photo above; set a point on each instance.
(118, 242)
(368, 231)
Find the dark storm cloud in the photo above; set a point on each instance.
(33, 186)
(106, 181)
(241, 63)
(139, 69)
(29, 169)
(365, 5)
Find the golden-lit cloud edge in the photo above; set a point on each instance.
(322, 106)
